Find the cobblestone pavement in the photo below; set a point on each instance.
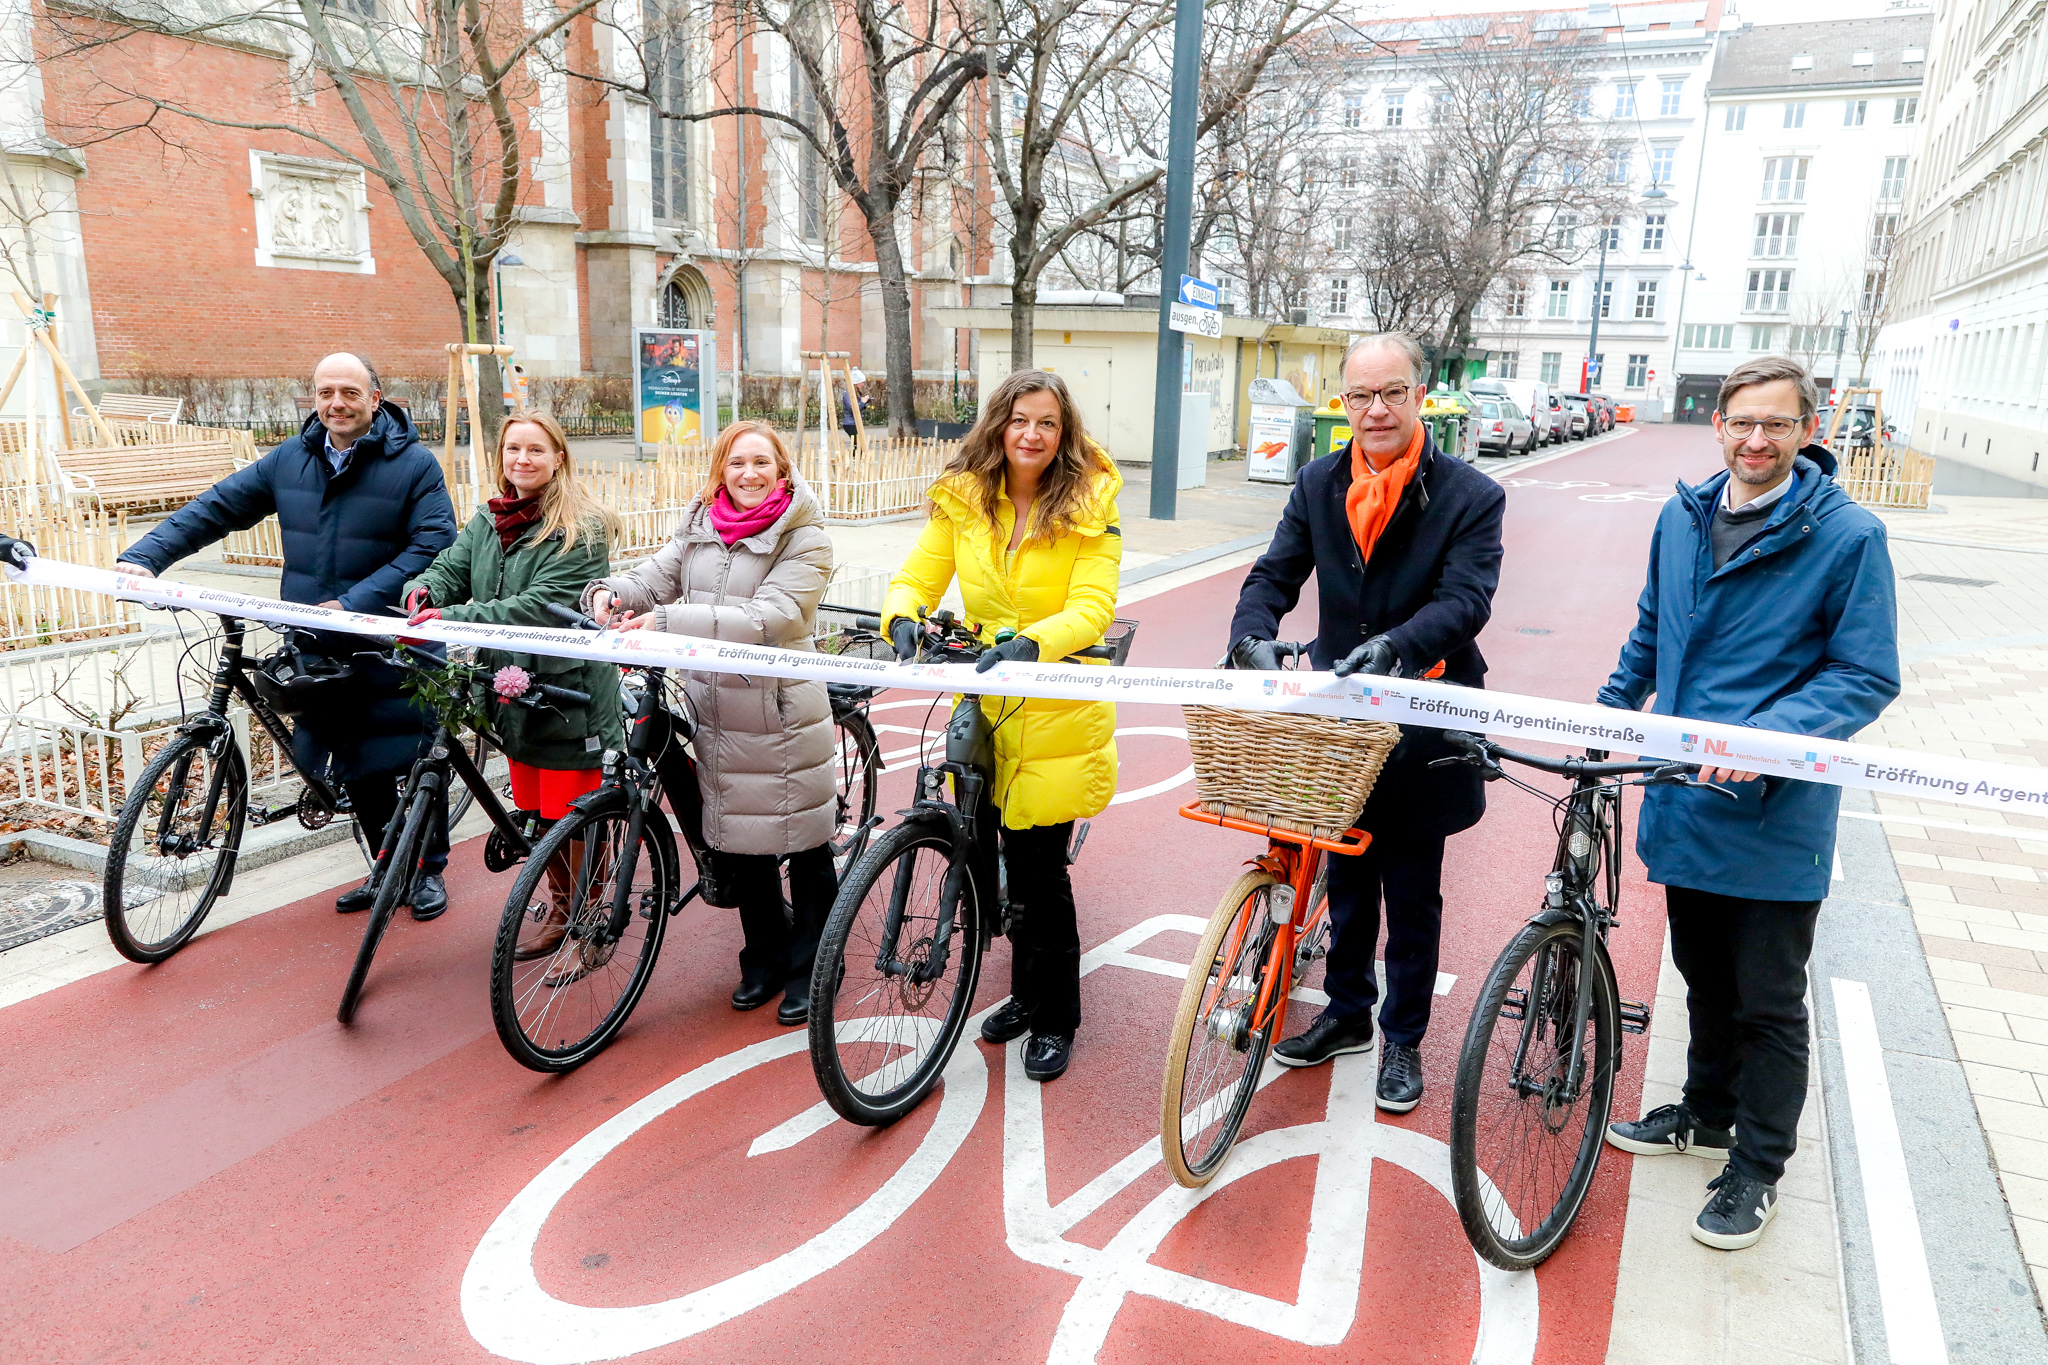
(1976, 685)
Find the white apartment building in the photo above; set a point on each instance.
(1809, 139)
(1648, 83)
(1962, 357)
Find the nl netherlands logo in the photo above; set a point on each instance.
(1686, 743)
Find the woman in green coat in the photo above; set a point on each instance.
(536, 544)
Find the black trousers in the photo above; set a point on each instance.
(1406, 872)
(1744, 964)
(780, 947)
(375, 801)
(1045, 940)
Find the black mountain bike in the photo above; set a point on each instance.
(857, 761)
(405, 839)
(1536, 1073)
(901, 952)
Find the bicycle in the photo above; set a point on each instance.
(857, 762)
(884, 959)
(1532, 1100)
(404, 838)
(1271, 925)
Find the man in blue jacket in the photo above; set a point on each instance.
(362, 507)
(1769, 603)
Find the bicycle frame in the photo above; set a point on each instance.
(231, 679)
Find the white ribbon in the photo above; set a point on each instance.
(1443, 706)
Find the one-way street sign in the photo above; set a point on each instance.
(1195, 311)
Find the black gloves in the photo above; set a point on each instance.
(1255, 654)
(903, 635)
(1374, 656)
(1017, 649)
(16, 552)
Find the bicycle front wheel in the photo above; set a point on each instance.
(172, 854)
(895, 976)
(1215, 1053)
(1525, 1130)
(394, 878)
(559, 1003)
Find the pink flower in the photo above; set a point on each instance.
(511, 681)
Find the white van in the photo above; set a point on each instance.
(1533, 396)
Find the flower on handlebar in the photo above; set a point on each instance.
(511, 682)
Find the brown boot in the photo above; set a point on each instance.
(561, 894)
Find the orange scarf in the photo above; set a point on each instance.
(1370, 502)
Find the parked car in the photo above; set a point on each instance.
(1584, 420)
(1858, 424)
(1606, 408)
(1532, 396)
(1501, 427)
(1561, 426)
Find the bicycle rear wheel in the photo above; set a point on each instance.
(557, 1011)
(393, 883)
(172, 853)
(895, 976)
(1524, 1141)
(858, 777)
(1214, 1055)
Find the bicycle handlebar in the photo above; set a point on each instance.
(572, 617)
(1480, 750)
(548, 692)
(862, 618)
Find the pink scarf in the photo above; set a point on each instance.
(733, 525)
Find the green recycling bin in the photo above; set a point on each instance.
(1333, 431)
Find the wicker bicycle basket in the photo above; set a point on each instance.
(1307, 774)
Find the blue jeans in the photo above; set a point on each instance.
(1406, 871)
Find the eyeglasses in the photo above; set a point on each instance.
(1777, 428)
(1393, 395)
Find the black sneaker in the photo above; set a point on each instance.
(1400, 1087)
(1741, 1208)
(1011, 1019)
(1327, 1037)
(1670, 1128)
(1047, 1054)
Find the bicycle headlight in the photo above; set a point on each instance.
(1281, 906)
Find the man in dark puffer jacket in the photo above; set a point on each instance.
(362, 507)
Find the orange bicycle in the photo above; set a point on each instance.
(1299, 780)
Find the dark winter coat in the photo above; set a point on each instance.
(476, 580)
(353, 537)
(1428, 589)
(1798, 632)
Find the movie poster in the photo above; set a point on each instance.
(675, 377)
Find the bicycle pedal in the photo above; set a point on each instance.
(1635, 1017)
(1515, 1004)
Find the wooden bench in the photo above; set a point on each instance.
(146, 407)
(164, 475)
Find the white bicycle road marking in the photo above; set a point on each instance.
(1567, 485)
(509, 1313)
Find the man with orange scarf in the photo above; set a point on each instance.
(1404, 543)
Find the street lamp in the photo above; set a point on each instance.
(1653, 197)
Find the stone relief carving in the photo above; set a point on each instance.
(311, 216)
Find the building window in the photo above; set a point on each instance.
(1604, 294)
(1795, 116)
(1646, 298)
(1354, 111)
(666, 54)
(1653, 232)
(1553, 361)
(1610, 233)
(1661, 159)
(1340, 233)
(1514, 302)
(1506, 364)
(1883, 227)
(1770, 291)
(1734, 118)
(1893, 187)
(1873, 290)
(1340, 296)
(1906, 110)
(1582, 102)
(1638, 371)
(1396, 108)
(1708, 336)
(1777, 235)
(1312, 115)
(1347, 172)
(1560, 299)
(675, 307)
(1667, 101)
(1853, 112)
(1785, 177)
(1812, 340)
(1760, 334)
(1297, 294)
(1625, 100)
(1564, 232)
(1618, 167)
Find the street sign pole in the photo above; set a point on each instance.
(1173, 257)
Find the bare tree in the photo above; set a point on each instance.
(1873, 298)
(885, 75)
(435, 93)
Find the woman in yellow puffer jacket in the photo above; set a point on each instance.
(1026, 518)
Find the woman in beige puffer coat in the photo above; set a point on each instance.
(749, 564)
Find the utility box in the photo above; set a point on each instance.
(1281, 432)
(1191, 470)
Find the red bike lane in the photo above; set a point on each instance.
(197, 1163)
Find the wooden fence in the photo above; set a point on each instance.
(1887, 476)
(885, 478)
(80, 534)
